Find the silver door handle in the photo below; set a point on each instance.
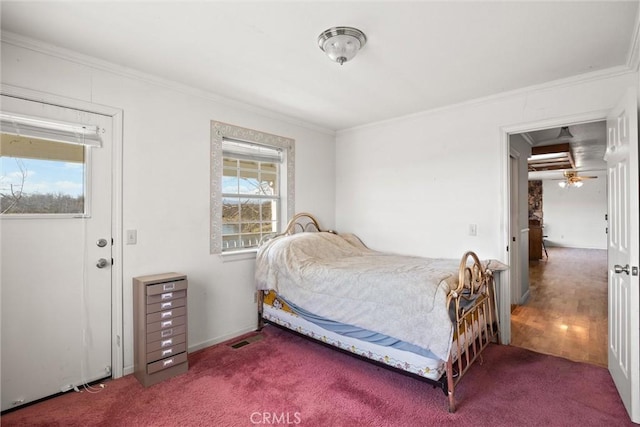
(102, 263)
(620, 269)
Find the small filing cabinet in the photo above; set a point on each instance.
(160, 327)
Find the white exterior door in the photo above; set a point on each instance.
(56, 301)
(624, 303)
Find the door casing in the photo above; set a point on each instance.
(117, 352)
(505, 291)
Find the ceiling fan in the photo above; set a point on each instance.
(571, 179)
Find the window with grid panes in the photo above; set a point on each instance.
(250, 193)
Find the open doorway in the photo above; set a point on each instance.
(561, 303)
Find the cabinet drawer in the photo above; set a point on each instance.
(166, 305)
(166, 342)
(163, 324)
(166, 315)
(166, 363)
(166, 333)
(165, 296)
(164, 287)
(166, 352)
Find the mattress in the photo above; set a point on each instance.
(337, 277)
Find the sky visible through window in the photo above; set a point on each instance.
(41, 176)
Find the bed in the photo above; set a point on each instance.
(429, 318)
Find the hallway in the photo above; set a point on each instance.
(566, 314)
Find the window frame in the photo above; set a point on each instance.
(220, 131)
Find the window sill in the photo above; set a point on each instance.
(239, 255)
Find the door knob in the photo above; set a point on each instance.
(102, 263)
(620, 269)
(101, 243)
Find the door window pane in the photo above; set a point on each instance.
(41, 177)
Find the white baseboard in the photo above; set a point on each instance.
(204, 344)
(218, 340)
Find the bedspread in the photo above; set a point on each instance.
(337, 277)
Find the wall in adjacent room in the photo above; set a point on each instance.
(575, 217)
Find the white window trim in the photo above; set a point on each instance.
(219, 131)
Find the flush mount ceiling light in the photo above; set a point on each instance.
(341, 44)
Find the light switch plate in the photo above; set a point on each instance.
(132, 237)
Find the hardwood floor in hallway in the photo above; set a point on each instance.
(566, 314)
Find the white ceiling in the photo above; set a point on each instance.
(419, 55)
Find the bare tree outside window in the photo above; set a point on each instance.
(11, 193)
(41, 177)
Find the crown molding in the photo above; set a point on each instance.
(633, 57)
(99, 64)
(527, 138)
(523, 91)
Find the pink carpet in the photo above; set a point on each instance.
(283, 379)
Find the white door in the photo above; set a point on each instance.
(515, 234)
(624, 303)
(56, 301)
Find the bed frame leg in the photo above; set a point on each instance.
(260, 318)
(450, 386)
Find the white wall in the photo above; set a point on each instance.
(414, 184)
(575, 217)
(166, 180)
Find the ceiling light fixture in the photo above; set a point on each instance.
(570, 184)
(572, 180)
(564, 133)
(341, 44)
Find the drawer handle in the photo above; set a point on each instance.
(167, 295)
(166, 333)
(167, 362)
(166, 314)
(169, 286)
(167, 352)
(166, 304)
(166, 323)
(166, 343)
